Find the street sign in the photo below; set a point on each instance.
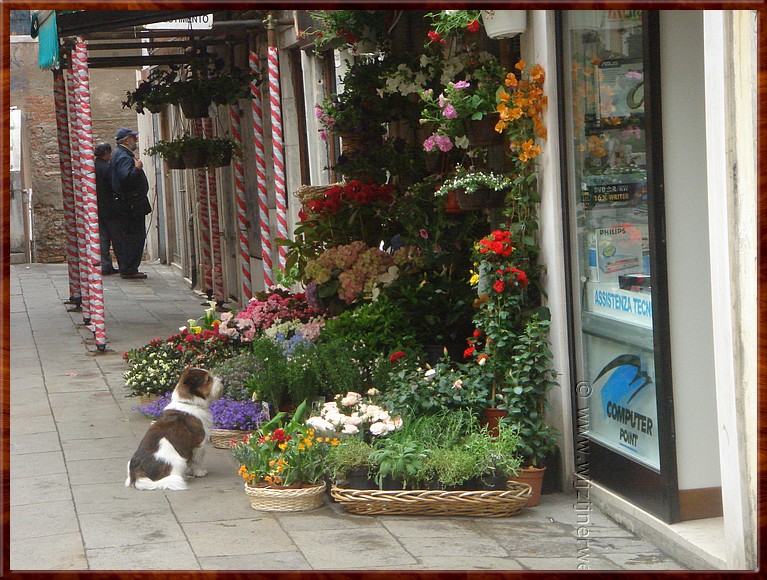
(202, 22)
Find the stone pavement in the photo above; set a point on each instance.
(73, 431)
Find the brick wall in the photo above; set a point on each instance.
(32, 92)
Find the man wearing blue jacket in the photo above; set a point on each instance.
(130, 187)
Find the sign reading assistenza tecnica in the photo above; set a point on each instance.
(202, 22)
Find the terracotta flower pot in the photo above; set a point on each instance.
(533, 477)
(491, 417)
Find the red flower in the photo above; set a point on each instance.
(434, 36)
(477, 333)
(499, 286)
(472, 26)
(468, 352)
(520, 277)
(395, 356)
(497, 247)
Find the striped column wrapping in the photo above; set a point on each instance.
(73, 86)
(242, 208)
(88, 170)
(278, 151)
(215, 226)
(202, 191)
(67, 191)
(263, 196)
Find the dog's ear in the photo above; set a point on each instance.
(195, 383)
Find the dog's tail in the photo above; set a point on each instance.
(172, 482)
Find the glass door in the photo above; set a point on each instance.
(610, 69)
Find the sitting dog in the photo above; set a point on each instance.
(175, 444)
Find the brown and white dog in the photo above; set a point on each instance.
(175, 444)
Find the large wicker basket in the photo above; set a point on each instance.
(285, 499)
(422, 502)
(222, 438)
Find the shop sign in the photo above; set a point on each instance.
(626, 419)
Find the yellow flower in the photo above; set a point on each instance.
(511, 80)
(474, 279)
(272, 462)
(503, 96)
(500, 126)
(301, 446)
(334, 442)
(520, 65)
(283, 446)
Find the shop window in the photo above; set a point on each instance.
(615, 202)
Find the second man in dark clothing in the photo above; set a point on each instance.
(130, 187)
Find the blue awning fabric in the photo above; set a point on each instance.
(48, 39)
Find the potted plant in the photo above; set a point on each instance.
(154, 92)
(195, 152)
(348, 463)
(448, 24)
(476, 189)
(525, 398)
(504, 23)
(397, 464)
(360, 30)
(282, 464)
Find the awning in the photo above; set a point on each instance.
(44, 28)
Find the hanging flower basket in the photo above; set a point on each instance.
(275, 498)
(482, 132)
(483, 198)
(175, 162)
(195, 158)
(504, 23)
(194, 108)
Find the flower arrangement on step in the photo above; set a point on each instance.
(354, 414)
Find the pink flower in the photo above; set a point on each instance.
(442, 100)
(444, 143)
(450, 112)
(430, 142)
(424, 234)
(324, 135)
(461, 85)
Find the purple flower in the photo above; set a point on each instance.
(450, 112)
(324, 135)
(241, 415)
(153, 409)
(461, 85)
(430, 142)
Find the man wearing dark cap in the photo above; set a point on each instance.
(130, 187)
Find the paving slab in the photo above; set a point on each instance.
(74, 428)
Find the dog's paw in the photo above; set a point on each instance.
(199, 473)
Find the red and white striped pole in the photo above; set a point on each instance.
(67, 191)
(73, 86)
(242, 208)
(278, 150)
(263, 195)
(202, 191)
(88, 170)
(215, 228)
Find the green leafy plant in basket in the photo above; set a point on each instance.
(351, 454)
(401, 461)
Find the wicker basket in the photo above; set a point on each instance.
(307, 193)
(144, 400)
(285, 499)
(222, 438)
(421, 502)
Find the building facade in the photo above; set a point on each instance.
(647, 229)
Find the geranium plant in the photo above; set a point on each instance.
(446, 24)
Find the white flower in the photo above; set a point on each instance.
(373, 392)
(351, 398)
(462, 142)
(458, 384)
(397, 422)
(377, 429)
(355, 419)
(350, 429)
(430, 373)
(482, 361)
(319, 424)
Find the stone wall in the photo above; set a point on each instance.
(31, 91)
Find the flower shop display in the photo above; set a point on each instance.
(353, 414)
(348, 463)
(282, 464)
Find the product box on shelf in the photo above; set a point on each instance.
(615, 251)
